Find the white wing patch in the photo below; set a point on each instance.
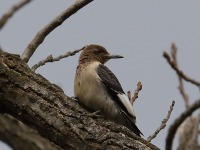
(124, 99)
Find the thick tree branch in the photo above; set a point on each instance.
(11, 12)
(20, 136)
(43, 106)
(173, 128)
(40, 36)
(188, 134)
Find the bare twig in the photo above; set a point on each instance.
(163, 124)
(40, 36)
(11, 12)
(173, 128)
(51, 59)
(181, 86)
(179, 72)
(129, 95)
(183, 93)
(135, 96)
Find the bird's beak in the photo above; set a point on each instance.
(114, 56)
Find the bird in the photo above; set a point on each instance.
(98, 89)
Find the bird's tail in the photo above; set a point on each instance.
(130, 123)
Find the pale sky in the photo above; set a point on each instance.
(139, 30)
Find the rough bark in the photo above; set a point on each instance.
(43, 106)
(20, 136)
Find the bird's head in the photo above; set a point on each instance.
(96, 53)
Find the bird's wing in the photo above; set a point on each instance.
(115, 90)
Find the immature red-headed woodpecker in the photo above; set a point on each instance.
(96, 87)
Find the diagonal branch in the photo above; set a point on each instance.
(43, 106)
(19, 136)
(40, 36)
(163, 124)
(181, 86)
(196, 128)
(136, 92)
(173, 128)
(179, 72)
(12, 11)
(51, 59)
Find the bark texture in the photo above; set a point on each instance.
(43, 106)
(20, 136)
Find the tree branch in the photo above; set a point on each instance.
(40, 36)
(51, 59)
(188, 134)
(163, 124)
(20, 136)
(179, 72)
(136, 92)
(11, 12)
(173, 128)
(30, 98)
(181, 86)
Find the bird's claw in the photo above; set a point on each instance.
(95, 114)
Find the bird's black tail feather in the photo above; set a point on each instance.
(130, 123)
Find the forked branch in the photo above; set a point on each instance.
(136, 92)
(179, 72)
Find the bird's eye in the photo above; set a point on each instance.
(98, 50)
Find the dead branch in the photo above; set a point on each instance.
(196, 128)
(163, 124)
(51, 59)
(181, 86)
(4, 19)
(179, 72)
(135, 96)
(129, 95)
(57, 21)
(19, 136)
(173, 128)
(136, 92)
(183, 93)
(188, 134)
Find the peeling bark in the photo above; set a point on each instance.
(43, 106)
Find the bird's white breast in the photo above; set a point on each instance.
(91, 92)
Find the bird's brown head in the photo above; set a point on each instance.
(96, 53)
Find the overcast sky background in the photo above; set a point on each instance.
(139, 30)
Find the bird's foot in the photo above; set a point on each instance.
(96, 114)
(74, 98)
